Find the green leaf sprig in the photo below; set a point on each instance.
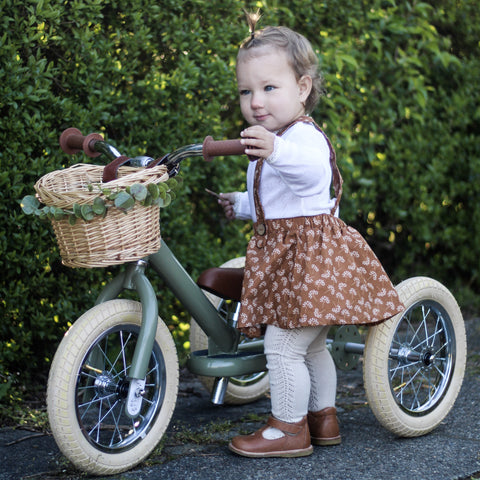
(160, 194)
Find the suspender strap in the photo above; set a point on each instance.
(260, 226)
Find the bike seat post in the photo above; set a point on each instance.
(233, 320)
(219, 389)
(220, 384)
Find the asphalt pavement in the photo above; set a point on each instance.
(195, 446)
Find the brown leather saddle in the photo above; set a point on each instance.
(223, 282)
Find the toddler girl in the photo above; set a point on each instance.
(305, 269)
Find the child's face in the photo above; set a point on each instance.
(270, 93)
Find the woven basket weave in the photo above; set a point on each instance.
(111, 240)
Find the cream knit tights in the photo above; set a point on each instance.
(302, 372)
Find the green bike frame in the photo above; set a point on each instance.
(224, 358)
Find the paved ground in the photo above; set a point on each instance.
(194, 449)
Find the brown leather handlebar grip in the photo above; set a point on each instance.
(215, 148)
(72, 141)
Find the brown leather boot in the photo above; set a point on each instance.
(294, 443)
(323, 427)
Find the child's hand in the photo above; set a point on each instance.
(227, 200)
(259, 141)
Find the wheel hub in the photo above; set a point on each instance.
(105, 385)
(407, 355)
(404, 354)
(428, 358)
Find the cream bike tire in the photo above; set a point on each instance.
(414, 363)
(240, 390)
(88, 384)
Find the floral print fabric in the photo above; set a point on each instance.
(311, 271)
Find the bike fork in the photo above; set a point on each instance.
(134, 279)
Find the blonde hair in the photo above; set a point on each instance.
(299, 51)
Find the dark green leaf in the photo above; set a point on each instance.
(77, 210)
(99, 206)
(87, 213)
(153, 190)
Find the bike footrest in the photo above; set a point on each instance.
(226, 365)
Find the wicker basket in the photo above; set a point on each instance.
(114, 239)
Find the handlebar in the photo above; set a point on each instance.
(217, 148)
(72, 141)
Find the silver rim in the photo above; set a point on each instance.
(102, 388)
(422, 358)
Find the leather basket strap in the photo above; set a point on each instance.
(111, 170)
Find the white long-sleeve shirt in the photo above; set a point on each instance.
(295, 179)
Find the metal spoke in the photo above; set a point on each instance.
(102, 388)
(101, 417)
(420, 357)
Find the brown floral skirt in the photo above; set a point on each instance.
(312, 271)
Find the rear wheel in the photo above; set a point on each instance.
(414, 363)
(88, 386)
(242, 389)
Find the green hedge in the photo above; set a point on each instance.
(402, 111)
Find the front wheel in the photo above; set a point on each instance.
(414, 363)
(88, 386)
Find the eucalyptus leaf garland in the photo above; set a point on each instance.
(124, 199)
